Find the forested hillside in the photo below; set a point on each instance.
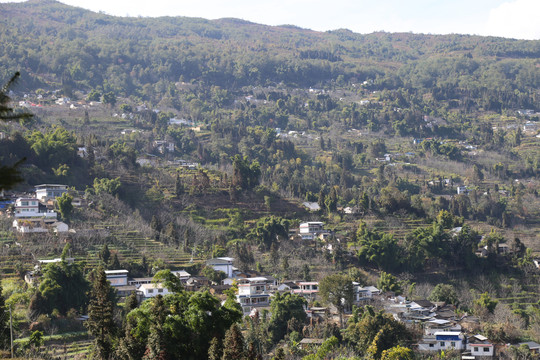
(185, 139)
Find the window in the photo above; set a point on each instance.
(476, 348)
(486, 349)
(160, 290)
(150, 291)
(442, 344)
(431, 345)
(24, 203)
(453, 344)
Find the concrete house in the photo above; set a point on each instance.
(310, 230)
(253, 292)
(444, 340)
(46, 192)
(117, 277)
(480, 346)
(152, 290)
(224, 264)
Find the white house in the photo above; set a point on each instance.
(32, 208)
(117, 277)
(307, 288)
(181, 274)
(224, 264)
(252, 292)
(363, 293)
(45, 192)
(444, 340)
(462, 190)
(479, 345)
(152, 290)
(310, 230)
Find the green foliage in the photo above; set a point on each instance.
(63, 287)
(378, 248)
(268, 230)
(100, 323)
(326, 347)
(169, 280)
(375, 333)
(337, 290)
(388, 282)
(233, 345)
(245, 175)
(187, 322)
(444, 293)
(284, 308)
(65, 206)
(486, 302)
(397, 353)
(213, 275)
(52, 148)
(4, 322)
(107, 186)
(109, 98)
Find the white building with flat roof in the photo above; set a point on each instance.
(45, 192)
(152, 290)
(224, 264)
(117, 277)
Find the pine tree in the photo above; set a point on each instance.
(179, 186)
(215, 350)
(156, 344)
(233, 346)
(115, 263)
(105, 254)
(252, 353)
(129, 348)
(131, 302)
(100, 322)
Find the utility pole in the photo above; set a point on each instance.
(11, 330)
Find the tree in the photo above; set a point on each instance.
(105, 254)
(4, 325)
(65, 206)
(100, 323)
(115, 263)
(63, 287)
(285, 307)
(108, 186)
(388, 282)
(9, 175)
(444, 293)
(131, 302)
(215, 351)
(157, 341)
(233, 345)
(169, 280)
(375, 333)
(109, 98)
(486, 302)
(397, 353)
(245, 175)
(337, 290)
(378, 248)
(129, 348)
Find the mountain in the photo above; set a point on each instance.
(55, 45)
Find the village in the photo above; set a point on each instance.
(442, 327)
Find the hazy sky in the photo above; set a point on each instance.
(508, 18)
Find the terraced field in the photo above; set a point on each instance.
(131, 245)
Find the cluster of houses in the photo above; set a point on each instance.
(35, 213)
(443, 329)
